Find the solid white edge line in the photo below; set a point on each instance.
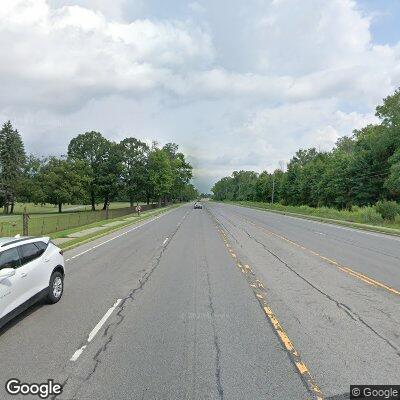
(118, 236)
(332, 224)
(102, 321)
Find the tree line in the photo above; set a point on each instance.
(94, 170)
(360, 170)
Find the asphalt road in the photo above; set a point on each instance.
(220, 303)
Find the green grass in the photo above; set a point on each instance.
(359, 217)
(74, 242)
(51, 209)
(67, 232)
(45, 223)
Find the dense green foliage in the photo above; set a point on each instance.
(387, 209)
(12, 161)
(359, 171)
(94, 170)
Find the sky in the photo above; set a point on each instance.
(236, 84)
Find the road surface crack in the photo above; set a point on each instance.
(353, 315)
(332, 236)
(211, 309)
(121, 308)
(215, 335)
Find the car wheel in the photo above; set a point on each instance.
(56, 287)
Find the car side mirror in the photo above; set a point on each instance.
(6, 273)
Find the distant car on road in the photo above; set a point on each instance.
(30, 269)
(198, 205)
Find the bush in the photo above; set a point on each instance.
(387, 209)
(369, 215)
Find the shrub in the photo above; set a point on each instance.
(387, 209)
(369, 215)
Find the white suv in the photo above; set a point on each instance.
(30, 268)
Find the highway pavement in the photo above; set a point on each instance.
(220, 303)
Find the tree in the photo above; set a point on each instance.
(110, 169)
(392, 183)
(389, 111)
(335, 183)
(29, 189)
(159, 174)
(189, 193)
(224, 189)
(244, 185)
(180, 168)
(370, 164)
(12, 161)
(134, 155)
(91, 148)
(63, 181)
(360, 170)
(268, 183)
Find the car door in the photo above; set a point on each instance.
(33, 269)
(11, 287)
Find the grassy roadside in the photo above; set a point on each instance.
(391, 230)
(37, 210)
(74, 242)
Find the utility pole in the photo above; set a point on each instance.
(25, 222)
(107, 210)
(273, 188)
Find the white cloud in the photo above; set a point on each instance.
(238, 86)
(112, 9)
(316, 35)
(68, 55)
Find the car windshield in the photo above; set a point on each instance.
(200, 199)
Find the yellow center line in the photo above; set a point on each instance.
(301, 367)
(342, 268)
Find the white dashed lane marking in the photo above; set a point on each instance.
(116, 237)
(95, 330)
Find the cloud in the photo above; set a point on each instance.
(66, 56)
(237, 86)
(113, 10)
(271, 135)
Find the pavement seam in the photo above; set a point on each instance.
(347, 270)
(211, 308)
(352, 314)
(215, 336)
(109, 336)
(260, 294)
